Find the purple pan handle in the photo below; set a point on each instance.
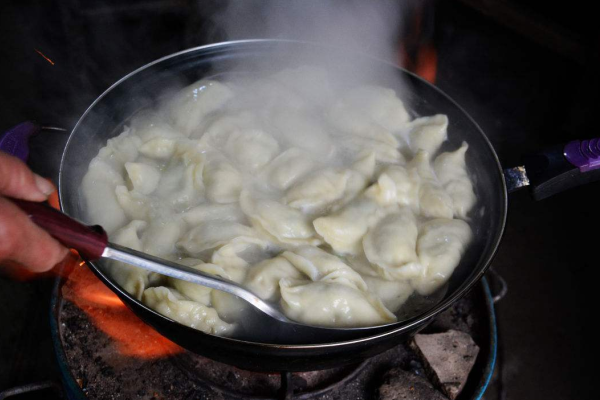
(15, 141)
(584, 154)
(562, 167)
(89, 241)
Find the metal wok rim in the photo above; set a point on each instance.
(403, 325)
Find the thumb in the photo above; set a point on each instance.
(17, 180)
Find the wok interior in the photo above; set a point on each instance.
(143, 89)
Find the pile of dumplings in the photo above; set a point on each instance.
(333, 203)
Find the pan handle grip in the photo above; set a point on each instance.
(89, 241)
(563, 167)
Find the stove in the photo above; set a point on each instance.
(105, 352)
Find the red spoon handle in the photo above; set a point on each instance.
(89, 241)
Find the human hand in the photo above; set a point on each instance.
(22, 241)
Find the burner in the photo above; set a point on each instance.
(94, 366)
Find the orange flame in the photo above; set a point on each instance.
(108, 313)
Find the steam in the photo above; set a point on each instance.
(356, 25)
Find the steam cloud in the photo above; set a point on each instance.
(370, 27)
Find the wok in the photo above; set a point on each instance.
(145, 87)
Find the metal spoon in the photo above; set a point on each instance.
(92, 244)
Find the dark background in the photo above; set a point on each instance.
(526, 73)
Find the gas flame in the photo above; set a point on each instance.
(131, 336)
(417, 51)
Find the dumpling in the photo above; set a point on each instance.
(195, 102)
(428, 133)
(318, 190)
(160, 237)
(434, 202)
(98, 190)
(353, 121)
(380, 104)
(397, 185)
(144, 177)
(173, 305)
(288, 167)
(300, 130)
(391, 245)
(229, 307)
(124, 148)
(104, 174)
(193, 291)
(223, 182)
(440, 246)
(159, 148)
(327, 303)
(212, 234)
(282, 223)
(393, 294)
(221, 127)
(181, 185)
(384, 152)
(252, 149)
(319, 265)
(239, 253)
(451, 171)
(344, 229)
(153, 127)
(133, 279)
(263, 278)
(135, 205)
(213, 212)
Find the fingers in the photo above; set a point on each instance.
(16, 180)
(23, 242)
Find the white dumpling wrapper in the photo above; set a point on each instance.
(144, 177)
(213, 212)
(159, 148)
(440, 246)
(318, 190)
(393, 294)
(434, 202)
(223, 182)
(195, 315)
(344, 229)
(194, 103)
(319, 265)
(288, 167)
(160, 237)
(253, 149)
(381, 105)
(391, 246)
(428, 133)
(282, 223)
(135, 205)
(133, 279)
(263, 278)
(212, 234)
(299, 130)
(451, 170)
(331, 304)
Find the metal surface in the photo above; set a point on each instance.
(516, 178)
(142, 89)
(185, 273)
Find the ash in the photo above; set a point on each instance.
(104, 373)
